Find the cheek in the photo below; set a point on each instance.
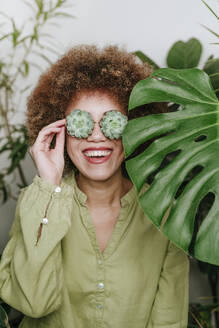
(119, 148)
(71, 147)
(68, 145)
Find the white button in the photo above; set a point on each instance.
(58, 189)
(45, 221)
(100, 285)
(99, 262)
(99, 306)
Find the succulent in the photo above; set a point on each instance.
(113, 124)
(79, 124)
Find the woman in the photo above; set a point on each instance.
(82, 253)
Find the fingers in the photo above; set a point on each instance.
(48, 131)
(46, 135)
(54, 124)
(60, 139)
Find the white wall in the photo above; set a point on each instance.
(151, 26)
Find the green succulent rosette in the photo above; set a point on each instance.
(113, 124)
(79, 124)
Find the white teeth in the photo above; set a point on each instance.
(95, 153)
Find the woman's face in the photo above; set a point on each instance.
(80, 150)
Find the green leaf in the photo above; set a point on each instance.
(63, 14)
(50, 49)
(192, 134)
(4, 192)
(210, 30)
(13, 165)
(27, 3)
(43, 57)
(6, 307)
(3, 318)
(38, 67)
(59, 3)
(5, 147)
(210, 9)
(212, 69)
(28, 86)
(5, 36)
(21, 71)
(17, 146)
(26, 67)
(40, 5)
(144, 58)
(35, 35)
(45, 16)
(184, 54)
(15, 34)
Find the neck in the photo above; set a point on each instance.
(104, 193)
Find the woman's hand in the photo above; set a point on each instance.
(50, 162)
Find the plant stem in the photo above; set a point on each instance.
(9, 134)
(196, 320)
(22, 177)
(213, 282)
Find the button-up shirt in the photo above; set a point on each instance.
(53, 270)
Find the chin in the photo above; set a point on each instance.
(99, 174)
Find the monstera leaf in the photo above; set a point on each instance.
(192, 134)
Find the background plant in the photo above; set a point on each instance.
(184, 55)
(24, 50)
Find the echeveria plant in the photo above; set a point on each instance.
(79, 124)
(113, 124)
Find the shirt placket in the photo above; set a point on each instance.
(99, 292)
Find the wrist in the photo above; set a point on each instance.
(52, 180)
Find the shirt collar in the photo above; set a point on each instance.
(128, 198)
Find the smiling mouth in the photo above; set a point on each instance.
(95, 156)
(97, 153)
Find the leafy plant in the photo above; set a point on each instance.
(178, 58)
(187, 55)
(200, 315)
(3, 318)
(24, 48)
(214, 13)
(191, 133)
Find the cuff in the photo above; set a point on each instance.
(63, 190)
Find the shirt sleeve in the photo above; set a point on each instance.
(31, 274)
(170, 308)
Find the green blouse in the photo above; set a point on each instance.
(65, 281)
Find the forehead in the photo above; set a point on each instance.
(96, 103)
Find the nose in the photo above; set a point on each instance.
(97, 135)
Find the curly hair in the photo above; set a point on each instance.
(84, 67)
